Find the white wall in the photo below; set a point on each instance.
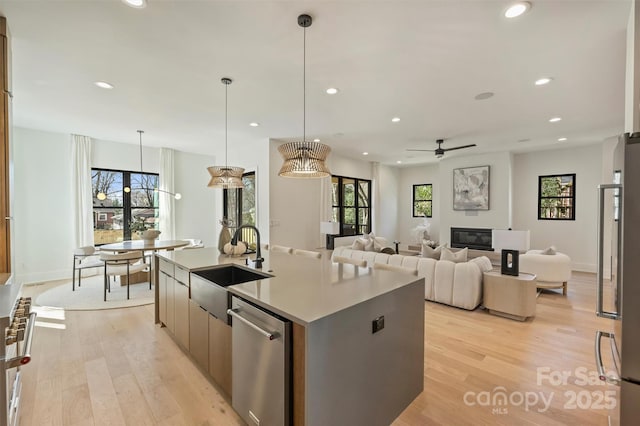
(576, 238)
(295, 204)
(409, 176)
(42, 236)
(388, 223)
(42, 202)
(196, 212)
(294, 207)
(499, 203)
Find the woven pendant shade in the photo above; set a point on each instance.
(225, 177)
(304, 160)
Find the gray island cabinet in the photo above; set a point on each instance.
(357, 340)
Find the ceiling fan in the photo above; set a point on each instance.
(440, 150)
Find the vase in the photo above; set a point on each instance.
(224, 238)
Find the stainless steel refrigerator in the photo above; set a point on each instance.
(619, 250)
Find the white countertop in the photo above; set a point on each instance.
(303, 290)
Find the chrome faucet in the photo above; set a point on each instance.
(234, 241)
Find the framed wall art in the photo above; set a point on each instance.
(471, 188)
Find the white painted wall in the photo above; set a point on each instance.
(42, 204)
(575, 238)
(42, 236)
(295, 204)
(499, 175)
(294, 207)
(409, 176)
(389, 201)
(196, 212)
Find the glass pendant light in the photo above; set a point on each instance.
(225, 177)
(304, 159)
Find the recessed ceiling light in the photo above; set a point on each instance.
(254, 124)
(524, 140)
(517, 9)
(562, 139)
(554, 119)
(544, 80)
(332, 90)
(365, 153)
(399, 162)
(104, 85)
(483, 96)
(138, 4)
(395, 119)
(316, 140)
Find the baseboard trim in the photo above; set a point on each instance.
(583, 267)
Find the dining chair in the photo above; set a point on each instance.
(307, 253)
(121, 264)
(84, 258)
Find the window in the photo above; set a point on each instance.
(422, 200)
(239, 207)
(130, 204)
(557, 197)
(351, 204)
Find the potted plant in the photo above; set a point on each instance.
(145, 230)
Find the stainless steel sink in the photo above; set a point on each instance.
(225, 276)
(208, 287)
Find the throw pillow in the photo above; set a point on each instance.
(458, 257)
(379, 243)
(357, 244)
(549, 250)
(369, 245)
(432, 253)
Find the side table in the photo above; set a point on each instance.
(510, 296)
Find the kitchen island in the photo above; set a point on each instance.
(357, 333)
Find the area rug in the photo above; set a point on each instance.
(90, 295)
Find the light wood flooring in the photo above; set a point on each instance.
(116, 367)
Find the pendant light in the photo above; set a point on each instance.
(102, 196)
(304, 159)
(225, 177)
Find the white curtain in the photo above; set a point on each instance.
(167, 201)
(81, 188)
(375, 194)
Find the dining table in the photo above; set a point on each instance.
(144, 245)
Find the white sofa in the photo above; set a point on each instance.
(455, 284)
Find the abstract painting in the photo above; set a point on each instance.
(471, 188)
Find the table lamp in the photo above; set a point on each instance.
(331, 229)
(510, 243)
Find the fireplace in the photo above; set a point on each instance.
(473, 238)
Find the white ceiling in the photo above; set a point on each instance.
(423, 61)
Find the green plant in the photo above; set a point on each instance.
(138, 224)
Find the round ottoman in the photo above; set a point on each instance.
(551, 270)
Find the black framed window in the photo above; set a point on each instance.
(123, 203)
(351, 204)
(422, 200)
(557, 197)
(239, 206)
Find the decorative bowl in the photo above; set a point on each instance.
(149, 234)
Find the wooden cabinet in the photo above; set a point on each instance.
(181, 313)
(171, 318)
(162, 299)
(220, 353)
(199, 334)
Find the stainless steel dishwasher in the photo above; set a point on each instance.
(261, 365)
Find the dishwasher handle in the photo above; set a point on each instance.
(235, 313)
